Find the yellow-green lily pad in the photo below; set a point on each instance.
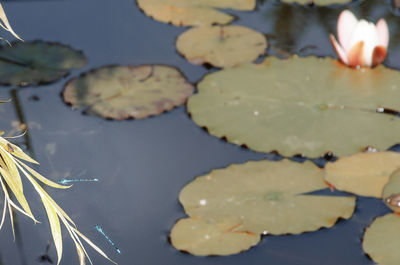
(122, 92)
(203, 238)
(391, 191)
(221, 46)
(193, 12)
(37, 62)
(363, 174)
(317, 2)
(265, 197)
(303, 106)
(382, 239)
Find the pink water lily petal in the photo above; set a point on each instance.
(383, 32)
(378, 55)
(339, 50)
(365, 32)
(356, 55)
(347, 22)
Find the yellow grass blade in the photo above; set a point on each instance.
(8, 202)
(9, 170)
(93, 245)
(19, 194)
(6, 25)
(55, 227)
(79, 248)
(80, 243)
(42, 192)
(15, 150)
(3, 216)
(11, 167)
(11, 219)
(81, 254)
(41, 178)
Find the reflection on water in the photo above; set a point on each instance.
(144, 164)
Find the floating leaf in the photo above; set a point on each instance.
(391, 191)
(122, 92)
(317, 2)
(204, 238)
(363, 174)
(300, 105)
(193, 12)
(382, 238)
(265, 197)
(37, 62)
(221, 46)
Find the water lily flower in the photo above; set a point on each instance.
(361, 43)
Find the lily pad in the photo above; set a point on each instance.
(221, 46)
(317, 2)
(193, 12)
(363, 174)
(37, 62)
(204, 238)
(382, 238)
(303, 106)
(391, 191)
(265, 197)
(122, 92)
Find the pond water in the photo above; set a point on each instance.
(143, 164)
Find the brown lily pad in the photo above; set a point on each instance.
(265, 197)
(193, 12)
(122, 92)
(37, 62)
(205, 238)
(221, 46)
(382, 238)
(363, 174)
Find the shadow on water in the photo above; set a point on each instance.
(142, 165)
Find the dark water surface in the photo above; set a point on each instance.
(142, 165)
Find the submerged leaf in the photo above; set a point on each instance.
(265, 197)
(303, 106)
(221, 46)
(122, 92)
(382, 239)
(363, 174)
(37, 62)
(193, 12)
(205, 238)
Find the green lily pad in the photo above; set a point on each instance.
(37, 62)
(382, 238)
(221, 46)
(317, 2)
(363, 174)
(122, 92)
(303, 106)
(204, 238)
(193, 12)
(391, 191)
(265, 197)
